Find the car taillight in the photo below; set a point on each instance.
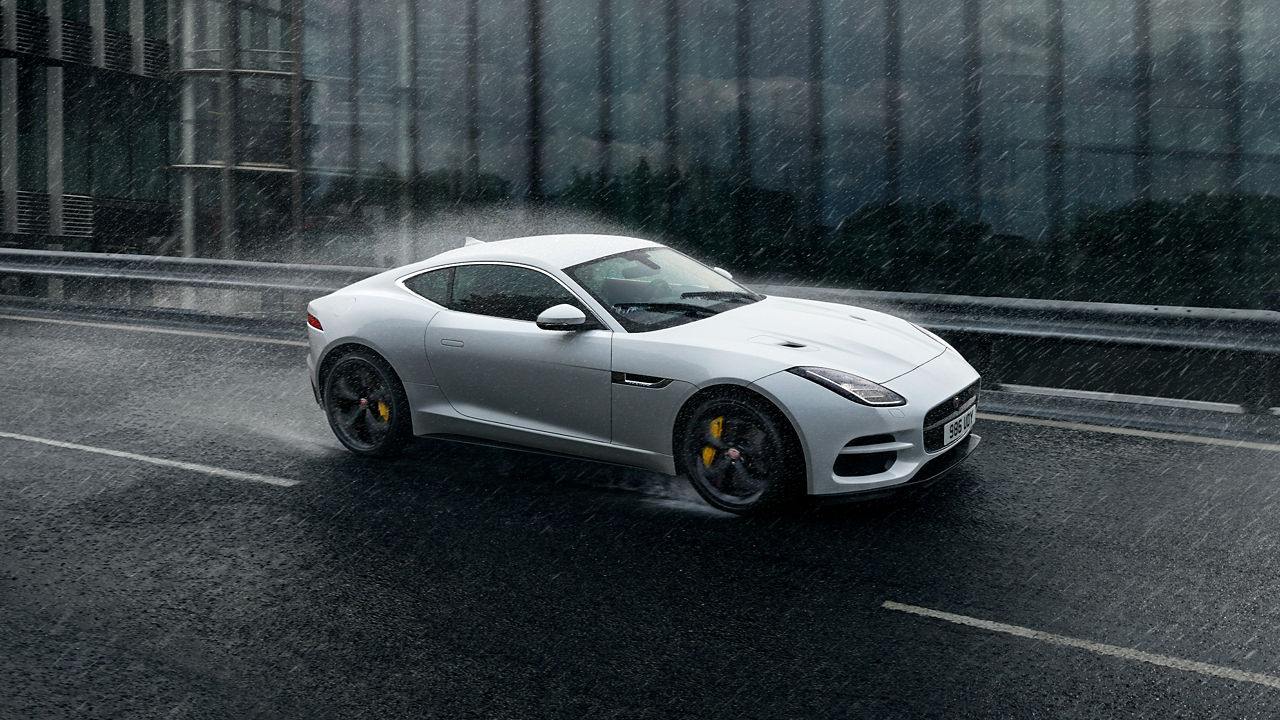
(313, 322)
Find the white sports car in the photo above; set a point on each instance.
(626, 351)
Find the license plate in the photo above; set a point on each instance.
(957, 428)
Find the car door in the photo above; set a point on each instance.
(494, 363)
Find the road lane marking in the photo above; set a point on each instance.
(1084, 427)
(161, 330)
(193, 467)
(1168, 661)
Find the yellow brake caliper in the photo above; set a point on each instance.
(384, 411)
(708, 452)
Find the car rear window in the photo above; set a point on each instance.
(433, 285)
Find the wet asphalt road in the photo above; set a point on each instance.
(462, 582)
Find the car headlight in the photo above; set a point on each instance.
(933, 335)
(857, 389)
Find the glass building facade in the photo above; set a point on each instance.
(1094, 149)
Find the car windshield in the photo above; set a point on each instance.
(655, 288)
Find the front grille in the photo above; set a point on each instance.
(944, 412)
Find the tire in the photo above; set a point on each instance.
(366, 405)
(740, 454)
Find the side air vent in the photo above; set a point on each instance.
(863, 465)
(868, 455)
(869, 440)
(642, 381)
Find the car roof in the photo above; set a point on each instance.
(546, 251)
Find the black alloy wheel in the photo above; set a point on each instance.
(740, 455)
(366, 405)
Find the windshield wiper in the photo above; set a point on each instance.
(669, 307)
(721, 295)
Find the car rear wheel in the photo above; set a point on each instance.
(740, 455)
(366, 405)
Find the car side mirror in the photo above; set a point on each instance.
(728, 275)
(562, 317)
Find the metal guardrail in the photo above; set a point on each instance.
(1204, 354)
(191, 272)
(1216, 355)
(1113, 323)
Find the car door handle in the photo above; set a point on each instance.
(451, 343)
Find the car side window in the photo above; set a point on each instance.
(507, 291)
(433, 285)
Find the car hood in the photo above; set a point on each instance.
(787, 332)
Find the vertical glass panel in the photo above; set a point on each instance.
(208, 217)
(1100, 111)
(1189, 117)
(264, 121)
(263, 44)
(779, 63)
(262, 207)
(327, 59)
(208, 103)
(32, 156)
(77, 131)
(504, 92)
(1015, 64)
(155, 19)
(381, 26)
(639, 56)
(4, 93)
(708, 93)
(571, 104)
(73, 11)
(116, 15)
(150, 138)
(202, 24)
(442, 82)
(1262, 90)
(853, 68)
(932, 110)
(111, 144)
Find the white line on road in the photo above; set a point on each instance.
(1085, 427)
(1168, 661)
(161, 330)
(1232, 408)
(193, 467)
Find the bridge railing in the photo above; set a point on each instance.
(1205, 354)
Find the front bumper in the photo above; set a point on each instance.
(831, 426)
(928, 474)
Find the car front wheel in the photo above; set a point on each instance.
(366, 405)
(740, 455)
